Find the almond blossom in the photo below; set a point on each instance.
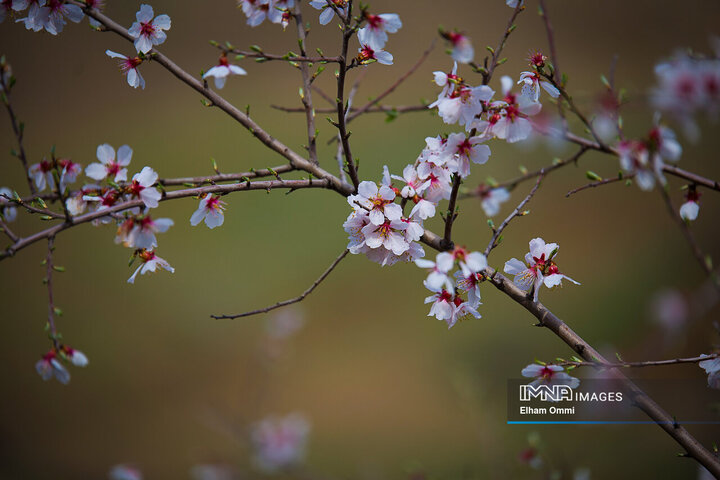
(8, 211)
(76, 357)
(49, 366)
(35, 20)
(42, 173)
(467, 149)
(690, 209)
(142, 187)
(389, 234)
(531, 83)
(549, 375)
(378, 27)
(462, 50)
(53, 14)
(129, 67)
(378, 202)
(148, 31)
(712, 368)
(491, 198)
(8, 6)
(221, 71)
(645, 158)
(140, 232)
(438, 279)
(328, 12)
(109, 167)
(150, 263)
(211, 210)
(256, 11)
(539, 268)
(508, 118)
(279, 442)
(367, 53)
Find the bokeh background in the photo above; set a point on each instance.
(389, 391)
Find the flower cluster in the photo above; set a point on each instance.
(448, 303)
(51, 364)
(48, 15)
(46, 172)
(374, 35)
(686, 86)
(378, 228)
(136, 226)
(538, 269)
(472, 107)
(646, 158)
(148, 30)
(276, 11)
(279, 443)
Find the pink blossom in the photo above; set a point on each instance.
(49, 366)
(142, 187)
(148, 31)
(539, 268)
(279, 442)
(150, 263)
(221, 71)
(211, 210)
(368, 54)
(378, 27)
(129, 67)
(549, 375)
(328, 13)
(108, 167)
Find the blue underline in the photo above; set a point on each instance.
(604, 422)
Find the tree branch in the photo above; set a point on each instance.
(297, 299)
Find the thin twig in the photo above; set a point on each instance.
(600, 183)
(19, 132)
(447, 243)
(392, 87)
(375, 109)
(297, 299)
(517, 212)
(7, 231)
(292, 185)
(48, 280)
(495, 58)
(340, 97)
(307, 90)
(648, 363)
(288, 57)
(704, 262)
(514, 182)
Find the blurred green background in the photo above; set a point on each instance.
(388, 390)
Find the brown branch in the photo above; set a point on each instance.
(292, 185)
(514, 182)
(639, 398)
(515, 213)
(19, 132)
(216, 100)
(226, 177)
(7, 231)
(340, 98)
(551, 41)
(487, 72)
(704, 262)
(692, 177)
(297, 299)
(306, 96)
(600, 183)
(392, 87)
(447, 243)
(375, 109)
(648, 363)
(48, 280)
